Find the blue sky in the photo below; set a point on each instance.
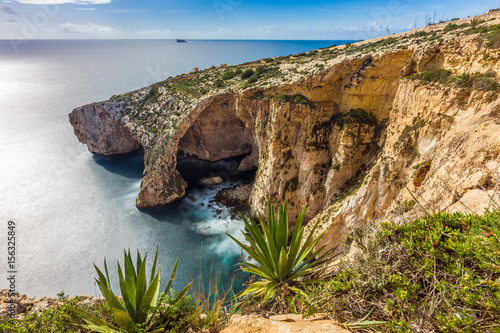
(224, 19)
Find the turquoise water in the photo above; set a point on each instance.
(71, 208)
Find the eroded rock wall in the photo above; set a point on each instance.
(97, 125)
(309, 152)
(441, 152)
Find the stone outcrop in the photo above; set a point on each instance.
(282, 324)
(97, 125)
(25, 305)
(237, 198)
(212, 181)
(346, 131)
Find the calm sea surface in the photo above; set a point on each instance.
(71, 208)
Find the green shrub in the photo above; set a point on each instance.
(177, 312)
(478, 81)
(218, 83)
(358, 116)
(228, 75)
(281, 259)
(453, 26)
(410, 128)
(57, 319)
(442, 76)
(494, 39)
(419, 34)
(296, 99)
(387, 41)
(439, 273)
(254, 78)
(475, 22)
(247, 73)
(261, 69)
(406, 206)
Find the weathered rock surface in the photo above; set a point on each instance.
(212, 181)
(98, 126)
(237, 198)
(282, 324)
(25, 305)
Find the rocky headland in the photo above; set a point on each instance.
(397, 126)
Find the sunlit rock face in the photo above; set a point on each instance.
(97, 125)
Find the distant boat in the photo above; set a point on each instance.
(181, 41)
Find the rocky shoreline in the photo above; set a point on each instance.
(236, 198)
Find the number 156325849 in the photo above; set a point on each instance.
(11, 245)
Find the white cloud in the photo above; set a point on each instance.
(85, 8)
(60, 2)
(83, 28)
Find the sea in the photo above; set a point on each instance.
(70, 209)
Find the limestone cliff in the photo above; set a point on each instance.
(401, 125)
(97, 125)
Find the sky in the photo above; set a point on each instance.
(225, 19)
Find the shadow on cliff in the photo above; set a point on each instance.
(130, 165)
(193, 170)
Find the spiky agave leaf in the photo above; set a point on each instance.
(279, 259)
(93, 323)
(140, 296)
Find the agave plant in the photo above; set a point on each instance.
(139, 300)
(281, 260)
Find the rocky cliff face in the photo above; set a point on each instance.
(97, 125)
(392, 126)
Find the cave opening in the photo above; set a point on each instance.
(216, 144)
(195, 170)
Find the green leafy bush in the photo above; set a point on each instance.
(247, 73)
(261, 69)
(453, 26)
(387, 41)
(440, 273)
(296, 99)
(442, 76)
(218, 83)
(358, 116)
(419, 34)
(494, 39)
(228, 75)
(57, 319)
(281, 259)
(254, 78)
(177, 312)
(478, 81)
(410, 128)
